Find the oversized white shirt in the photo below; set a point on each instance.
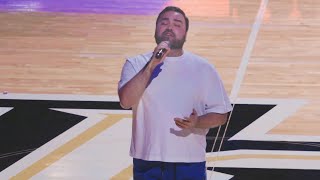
(177, 86)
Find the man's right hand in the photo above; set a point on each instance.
(154, 61)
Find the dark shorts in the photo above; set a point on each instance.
(155, 170)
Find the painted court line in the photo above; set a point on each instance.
(244, 62)
(247, 53)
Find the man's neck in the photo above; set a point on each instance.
(175, 53)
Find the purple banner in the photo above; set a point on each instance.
(85, 6)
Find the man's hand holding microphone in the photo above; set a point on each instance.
(159, 54)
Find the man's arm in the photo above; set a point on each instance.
(209, 120)
(131, 92)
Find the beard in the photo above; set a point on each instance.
(174, 43)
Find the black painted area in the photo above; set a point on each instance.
(60, 104)
(242, 116)
(28, 126)
(31, 123)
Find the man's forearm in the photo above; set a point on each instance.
(211, 120)
(131, 92)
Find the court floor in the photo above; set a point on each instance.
(60, 62)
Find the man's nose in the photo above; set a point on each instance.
(169, 27)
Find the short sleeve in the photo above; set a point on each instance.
(133, 66)
(127, 73)
(215, 98)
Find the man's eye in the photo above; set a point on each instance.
(177, 25)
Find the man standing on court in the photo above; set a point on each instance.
(175, 96)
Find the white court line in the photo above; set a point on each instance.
(290, 159)
(4, 110)
(244, 62)
(247, 53)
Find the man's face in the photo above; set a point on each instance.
(171, 27)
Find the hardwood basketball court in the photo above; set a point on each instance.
(60, 63)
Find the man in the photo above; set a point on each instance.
(175, 99)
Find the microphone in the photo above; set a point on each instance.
(162, 51)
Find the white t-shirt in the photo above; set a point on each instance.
(183, 83)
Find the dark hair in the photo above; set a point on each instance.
(175, 9)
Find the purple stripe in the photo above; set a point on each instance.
(85, 6)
